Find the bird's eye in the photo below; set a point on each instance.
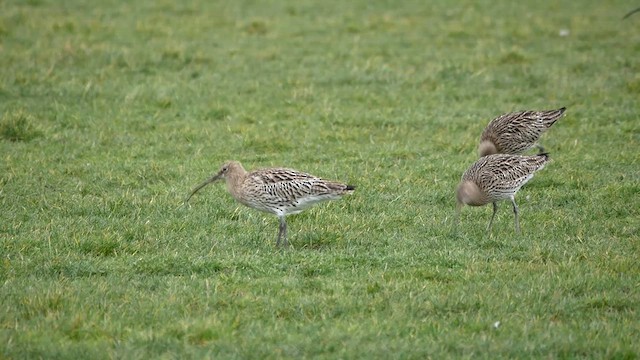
(225, 169)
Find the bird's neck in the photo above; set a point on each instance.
(235, 182)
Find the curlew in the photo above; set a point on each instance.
(517, 132)
(497, 177)
(277, 191)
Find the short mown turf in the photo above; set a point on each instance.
(111, 111)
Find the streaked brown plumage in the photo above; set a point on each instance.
(497, 177)
(278, 191)
(516, 132)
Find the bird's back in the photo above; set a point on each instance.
(516, 132)
(500, 176)
(286, 191)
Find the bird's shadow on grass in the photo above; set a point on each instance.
(319, 240)
(545, 182)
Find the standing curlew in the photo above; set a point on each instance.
(497, 177)
(277, 191)
(516, 132)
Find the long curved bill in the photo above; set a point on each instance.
(205, 183)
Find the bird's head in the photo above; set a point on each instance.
(468, 193)
(487, 147)
(227, 171)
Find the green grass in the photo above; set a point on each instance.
(111, 111)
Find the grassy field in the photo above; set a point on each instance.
(111, 111)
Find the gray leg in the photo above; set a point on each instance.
(515, 213)
(282, 232)
(495, 209)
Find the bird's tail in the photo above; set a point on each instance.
(549, 117)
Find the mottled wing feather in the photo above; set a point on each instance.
(502, 175)
(288, 191)
(517, 132)
(277, 175)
